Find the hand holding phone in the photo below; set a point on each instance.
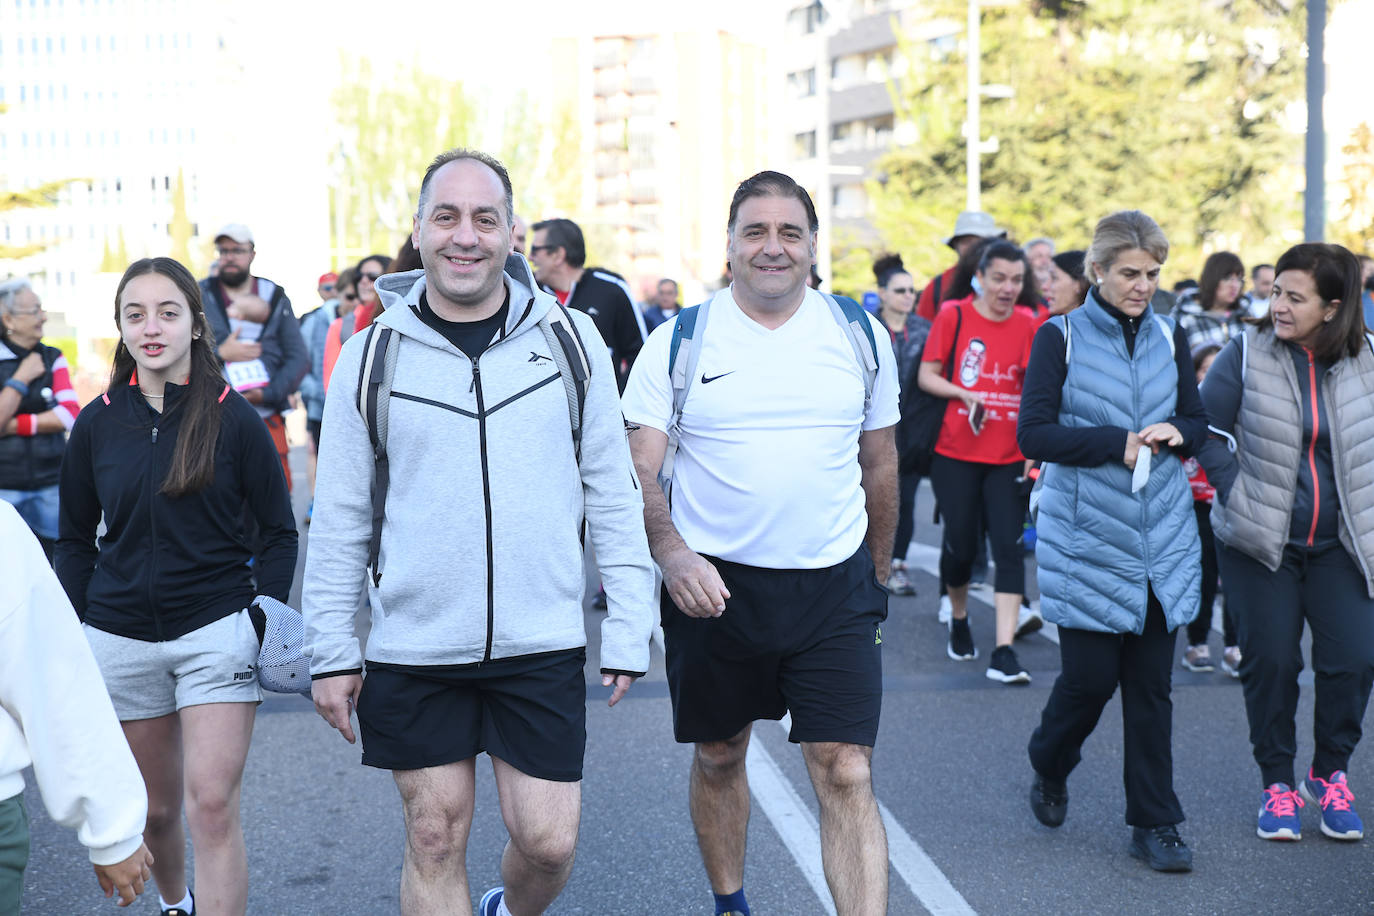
(976, 415)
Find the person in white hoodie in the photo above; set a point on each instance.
(477, 640)
(56, 715)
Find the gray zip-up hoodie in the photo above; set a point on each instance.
(481, 554)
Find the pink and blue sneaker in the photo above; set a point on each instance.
(1333, 796)
(1278, 814)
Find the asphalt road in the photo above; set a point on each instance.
(325, 834)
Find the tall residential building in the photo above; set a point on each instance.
(671, 122)
(841, 58)
(124, 97)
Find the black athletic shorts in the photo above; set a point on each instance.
(313, 427)
(808, 641)
(530, 711)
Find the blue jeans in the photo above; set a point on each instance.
(38, 509)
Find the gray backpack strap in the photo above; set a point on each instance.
(374, 405)
(684, 353)
(854, 321)
(570, 356)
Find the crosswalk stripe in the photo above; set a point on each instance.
(791, 819)
(921, 874)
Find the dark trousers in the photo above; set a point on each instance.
(970, 495)
(1202, 624)
(1326, 589)
(906, 514)
(1092, 665)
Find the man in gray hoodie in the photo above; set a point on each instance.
(477, 639)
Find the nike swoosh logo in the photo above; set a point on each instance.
(707, 381)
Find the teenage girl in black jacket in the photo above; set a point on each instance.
(169, 456)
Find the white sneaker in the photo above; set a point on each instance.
(946, 610)
(1028, 620)
(897, 581)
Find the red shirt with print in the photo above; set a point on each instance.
(989, 357)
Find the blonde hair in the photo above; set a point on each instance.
(1122, 231)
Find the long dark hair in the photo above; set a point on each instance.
(1336, 273)
(193, 461)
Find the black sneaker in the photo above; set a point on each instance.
(1049, 800)
(961, 647)
(1004, 667)
(1161, 848)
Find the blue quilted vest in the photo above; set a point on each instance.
(1098, 544)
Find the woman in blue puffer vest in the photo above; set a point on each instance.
(1110, 402)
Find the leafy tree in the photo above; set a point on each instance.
(1176, 107)
(389, 130)
(1355, 226)
(179, 228)
(43, 195)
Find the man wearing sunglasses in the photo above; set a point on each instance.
(279, 347)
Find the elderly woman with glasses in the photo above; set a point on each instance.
(37, 407)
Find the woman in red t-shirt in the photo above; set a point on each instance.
(977, 465)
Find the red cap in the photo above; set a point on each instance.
(327, 278)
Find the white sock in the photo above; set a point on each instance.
(185, 904)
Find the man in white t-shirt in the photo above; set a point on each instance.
(784, 499)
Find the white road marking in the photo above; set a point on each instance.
(921, 874)
(925, 557)
(791, 819)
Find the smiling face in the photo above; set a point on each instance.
(1002, 281)
(1297, 309)
(157, 326)
(770, 249)
(1130, 282)
(464, 237)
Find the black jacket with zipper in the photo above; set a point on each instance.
(168, 565)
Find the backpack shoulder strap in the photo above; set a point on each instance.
(684, 353)
(854, 321)
(1167, 326)
(954, 341)
(374, 404)
(570, 356)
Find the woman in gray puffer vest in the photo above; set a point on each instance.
(1110, 402)
(1292, 403)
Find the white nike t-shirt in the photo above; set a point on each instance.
(767, 471)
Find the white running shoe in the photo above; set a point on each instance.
(946, 610)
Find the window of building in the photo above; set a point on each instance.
(803, 20)
(801, 84)
(804, 145)
(848, 201)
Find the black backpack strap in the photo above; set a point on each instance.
(374, 404)
(570, 356)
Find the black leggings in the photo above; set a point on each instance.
(969, 493)
(1201, 625)
(906, 514)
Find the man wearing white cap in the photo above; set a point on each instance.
(257, 334)
(971, 227)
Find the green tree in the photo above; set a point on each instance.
(1354, 226)
(42, 195)
(1174, 107)
(179, 228)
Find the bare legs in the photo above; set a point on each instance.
(541, 816)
